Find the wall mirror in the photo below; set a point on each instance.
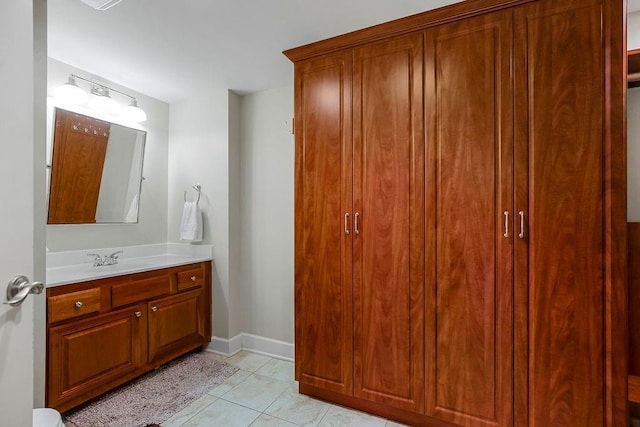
(95, 170)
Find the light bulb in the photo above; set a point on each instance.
(70, 93)
(134, 113)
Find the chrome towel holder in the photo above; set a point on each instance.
(198, 189)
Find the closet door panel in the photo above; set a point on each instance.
(323, 250)
(469, 245)
(389, 202)
(560, 262)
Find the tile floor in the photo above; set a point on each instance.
(263, 393)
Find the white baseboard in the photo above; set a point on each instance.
(253, 343)
(228, 347)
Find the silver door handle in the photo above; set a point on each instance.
(19, 288)
(521, 235)
(346, 223)
(506, 224)
(356, 226)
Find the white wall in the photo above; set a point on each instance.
(201, 151)
(267, 213)
(633, 31)
(633, 128)
(633, 155)
(152, 220)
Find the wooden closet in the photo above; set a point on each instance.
(460, 216)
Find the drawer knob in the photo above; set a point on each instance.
(78, 304)
(193, 278)
(154, 308)
(138, 313)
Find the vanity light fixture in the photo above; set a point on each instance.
(101, 100)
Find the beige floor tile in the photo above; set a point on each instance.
(248, 361)
(394, 424)
(338, 416)
(256, 392)
(265, 420)
(229, 383)
(190, 411)
(278, 369)
(223, 413)
(298, 409)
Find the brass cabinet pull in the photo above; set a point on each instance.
(138, 314)
(355, 223)
(506, 224)
(154, 308)
(79, 304)
(193, 278)
(346, 223)
(521, 235)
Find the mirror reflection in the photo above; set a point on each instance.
(96, 171)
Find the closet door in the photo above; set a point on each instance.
(323, 198)
(560, 270)
(469, 257)
(389, 222)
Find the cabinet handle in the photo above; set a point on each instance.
(346, 223)
(355, 223)
(521, 235)
(154, 308)
(193, 278)
(79, 304)
(138, 314)
(506, 224)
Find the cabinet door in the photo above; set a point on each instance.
(560, 180)
(389, 222)
(176, 325)
(323, 249)
(88, 357)
(469, 273)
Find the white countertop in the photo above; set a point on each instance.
(62, 268)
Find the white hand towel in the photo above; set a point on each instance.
(132, 215)
(191, 226)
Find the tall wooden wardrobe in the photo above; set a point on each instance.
(460, 216)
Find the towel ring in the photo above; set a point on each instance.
(198, 189)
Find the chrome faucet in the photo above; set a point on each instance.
(111, 259)
(97, 260)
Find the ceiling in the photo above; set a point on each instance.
(173, 49)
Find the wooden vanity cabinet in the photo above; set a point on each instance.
(103, 333)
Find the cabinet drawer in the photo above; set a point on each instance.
(74, 304)
(140, 290)
(190, 279)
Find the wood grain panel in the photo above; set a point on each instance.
(559, 173)
(79, 150)
(398, 27)
(131, 291)
(469, 264)
(389, 199)
(323, 251)
(175, 323)
(87, 356)
(73, 304)
(633, 236)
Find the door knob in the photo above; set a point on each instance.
(19, 288)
